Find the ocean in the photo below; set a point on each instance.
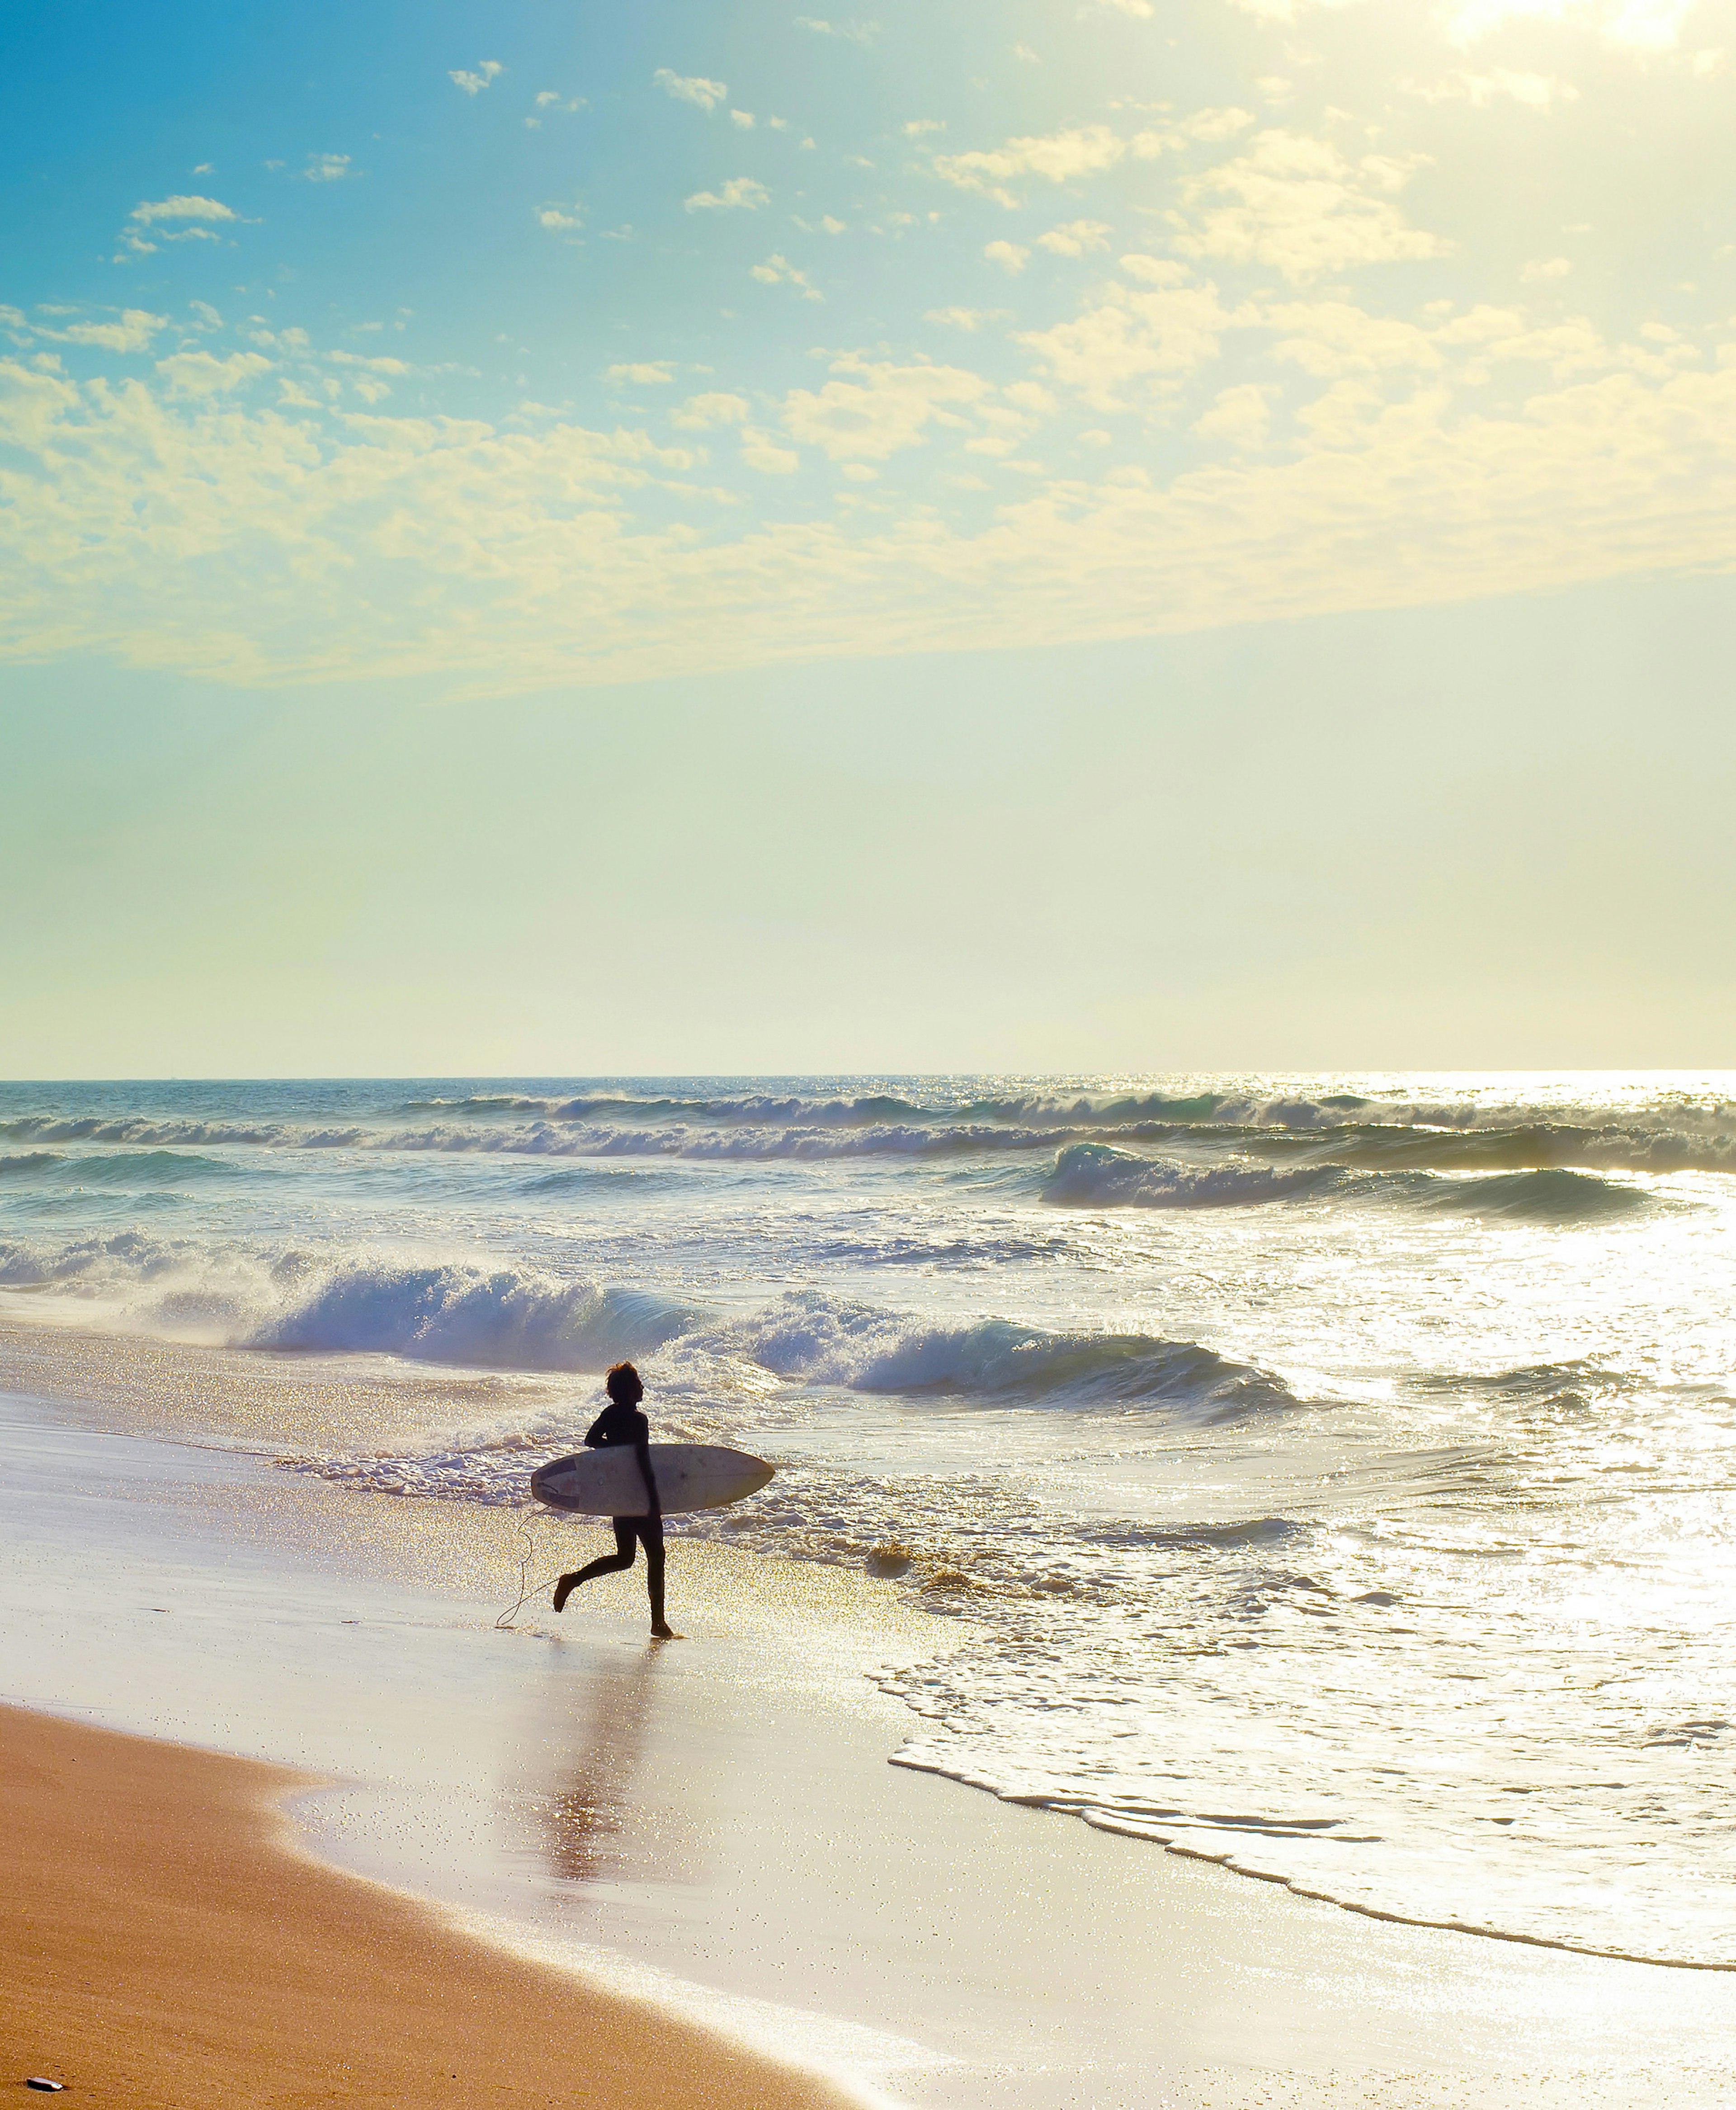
(1330, 1477)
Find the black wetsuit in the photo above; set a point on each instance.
(618, 1425)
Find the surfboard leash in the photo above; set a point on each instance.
(526, 1590)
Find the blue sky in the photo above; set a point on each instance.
(510, 359)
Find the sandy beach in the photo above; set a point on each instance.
(713, 1829)
(161, 1944)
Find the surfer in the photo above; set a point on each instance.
(622, 1422)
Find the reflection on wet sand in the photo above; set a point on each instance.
(597, 1821)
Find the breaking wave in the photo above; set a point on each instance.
(814, 1338)
(522, 1318)
(513, 1319)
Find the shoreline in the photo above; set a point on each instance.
(718, 1825)
(158, 1938)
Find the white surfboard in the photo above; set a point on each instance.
(689, 1476)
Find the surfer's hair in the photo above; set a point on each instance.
(622, 1384)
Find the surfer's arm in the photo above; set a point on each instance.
(644, 1450)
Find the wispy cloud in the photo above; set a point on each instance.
(700, 413)
(877, 408)
(133, 332)
(1298, 203)
(199, 373)
(778, 271)
(741, 192)
(1078, 238)
(473, 83)
(852, 32)
(1057, 158)
(327, 167)
(640, 373)
(965, 318)
(1531, 91)
(761, 451)
(690, 87)
(151, 212)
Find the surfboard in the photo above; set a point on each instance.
(689, 1476)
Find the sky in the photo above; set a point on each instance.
(1125, 535)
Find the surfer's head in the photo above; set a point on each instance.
(623, 1386)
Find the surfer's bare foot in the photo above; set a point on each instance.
(663, 1632)
(563, 1590)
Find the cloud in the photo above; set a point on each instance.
(151, 212)
(853, 33)
(879, 409)
(198, 374)
(560, 219)
(918, 126)
(740, 191)
(700, 413)
(1241, 415)
(133, 332)
(690, 87)
(1297, 204)
(1078, 238)
(965, 318)
(1531, 91)
(1648, 26)
(778, 271)
(759, 451)
(1140, 10)
(473, 83)
(1008, 255)
(1058, 157)
(640, 373)
(176, 529)
(1640, 26)
(1211, 125)
(1159, 336)
(326, 168)
(1544, 267)
(743, 118)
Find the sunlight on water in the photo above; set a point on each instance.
(1340, 1474)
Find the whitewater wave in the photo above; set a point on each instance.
(511, 1319)
(522, 1318)
(817, 1339)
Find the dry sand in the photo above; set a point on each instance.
(162, 1947)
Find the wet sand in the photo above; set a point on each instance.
(160, 1944)
(716, 1824)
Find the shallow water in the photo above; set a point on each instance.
(1338, 1472)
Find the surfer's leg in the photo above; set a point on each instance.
(607, 1564)
(651, 1531)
